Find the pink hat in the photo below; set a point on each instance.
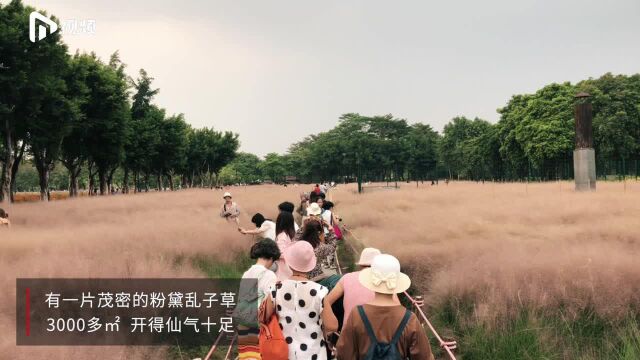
(300, 256)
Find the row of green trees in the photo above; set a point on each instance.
(536, 131)
(87, 115)
(377, 148)
(534, 137)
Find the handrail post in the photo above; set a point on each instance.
(226, 357)
(448, 346)
(215, 345)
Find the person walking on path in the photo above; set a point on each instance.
(265, 228)
(324, 247)
(382, 328)
(254, 287)
(329, 217)
(314, 212)
(230, 209)
(301, 211)
(352, 292)
(285, 232)
(298, 304)
(288, 207)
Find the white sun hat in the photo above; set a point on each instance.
(384, 276)
(314, 210)
(227, 194)
(367, 255)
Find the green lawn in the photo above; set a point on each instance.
(536, 335)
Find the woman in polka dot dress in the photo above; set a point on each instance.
(298, 304)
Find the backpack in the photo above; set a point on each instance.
(246, 311)
(380, 350)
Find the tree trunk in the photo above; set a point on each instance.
(146, 182)
(125, 185)
(170, 180)
(159, 181)
(73, 181)
(1, 182)
(91, 180)
(43, 174)
(17, 160)
(8, 162)
(43, 177)
(110, 179)
(102, 176)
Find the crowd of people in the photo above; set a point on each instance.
(320, 313)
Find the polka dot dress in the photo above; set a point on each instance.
(299, 305)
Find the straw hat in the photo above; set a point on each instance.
(367, 255)
(227, 194)
(300, 256)
(384, 276)
(314, 210)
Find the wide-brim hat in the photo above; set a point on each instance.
(367, 255)
(314, 209)
(300, 256)
(384, 276)
(227, 194)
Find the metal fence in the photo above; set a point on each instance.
(606, 169)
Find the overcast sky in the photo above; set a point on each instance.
(277, 71)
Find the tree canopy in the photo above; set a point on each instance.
(534, 137)
(90, 117)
